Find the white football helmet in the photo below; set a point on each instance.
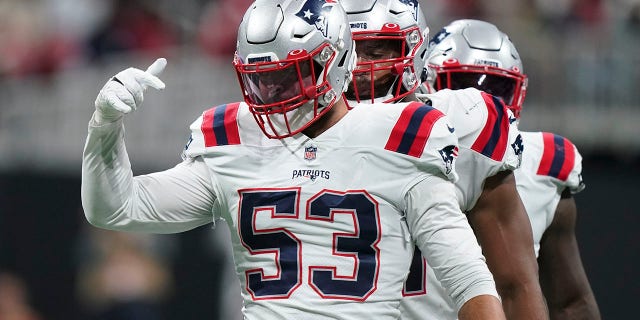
(473, 53)
(294, 60)
(402, 26)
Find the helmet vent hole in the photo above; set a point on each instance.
(424, 52)
(342, 60)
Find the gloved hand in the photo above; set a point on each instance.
(125, 91)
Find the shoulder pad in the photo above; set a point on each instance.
(561, 160)
(481, 120)
(424, 132)
(492, 141)
(412, 129)
(217, 126)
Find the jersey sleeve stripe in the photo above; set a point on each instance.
(492, 141)
(558, 157)
(219, 125)
(569, 160)
(231, 123)
(410, 134)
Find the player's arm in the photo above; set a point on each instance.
(442, 233)
(481, 307)
(502, 227)
(171, 201)
(562, 276)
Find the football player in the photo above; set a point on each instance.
(473, 53)
(391, 44)
(323, 201)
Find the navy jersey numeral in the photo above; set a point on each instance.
(280, 241)
(360, 245)
(415, 284)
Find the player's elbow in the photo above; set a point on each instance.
(516, 285)
(517, 277)
(98, 215)
(96, 218)
(579, 307)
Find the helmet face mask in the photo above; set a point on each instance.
(291, 68)
(473, 53)
(391, 44)
(275, 89)
(495, 81)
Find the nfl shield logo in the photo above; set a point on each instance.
(310, 153)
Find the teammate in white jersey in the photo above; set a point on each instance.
(324, 202)
(391, 44)
(473, 53)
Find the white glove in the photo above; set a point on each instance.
(125, 91)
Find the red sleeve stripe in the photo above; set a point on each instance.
(558, 157)
(219, 125)
(410, 134)
(492, 141)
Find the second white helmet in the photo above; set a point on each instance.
(401, 24)
(473, 53)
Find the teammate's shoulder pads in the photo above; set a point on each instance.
(561, 160)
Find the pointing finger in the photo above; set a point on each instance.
(157, 66)
(147, 79)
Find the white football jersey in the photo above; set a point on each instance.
(316, 224)
(550, 164)
(489, 142)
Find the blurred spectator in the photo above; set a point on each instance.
(29, 44)
(120, 278)
(132, 26)
(78, 19)
(633, 20)
(219, 26)
(589, 12)
(14, 300)
(465, 9)
(554, 14)
(626, 39)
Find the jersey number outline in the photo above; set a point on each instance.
(283, 203)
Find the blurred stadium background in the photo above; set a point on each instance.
(583, 62)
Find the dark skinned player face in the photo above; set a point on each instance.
(372, 66)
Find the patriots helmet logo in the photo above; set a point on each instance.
(314, 12)
(438, 37)
(413, 6)
(448, 154)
